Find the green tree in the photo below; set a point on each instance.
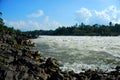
(110, 23)
(1, 20)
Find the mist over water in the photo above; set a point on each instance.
(81, 52)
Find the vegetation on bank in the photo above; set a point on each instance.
(6, 29)
(82, 30)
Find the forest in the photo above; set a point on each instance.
(81, 30)
(6, 29)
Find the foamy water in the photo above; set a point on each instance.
(81, 52)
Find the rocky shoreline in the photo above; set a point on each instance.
(19, 62)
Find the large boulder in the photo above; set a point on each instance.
(52, 65)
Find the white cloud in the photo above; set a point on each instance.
(54, 24)
(46, 19)
(33, 25)
(51, 24)
(36, 15)
(112, 13)
(83, 15)
(25, 25)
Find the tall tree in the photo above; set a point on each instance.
(110, 23)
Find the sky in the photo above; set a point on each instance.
(29, 15)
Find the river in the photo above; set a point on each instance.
(81, 52)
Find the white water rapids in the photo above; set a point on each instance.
(81, 52)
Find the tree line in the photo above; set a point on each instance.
(6, 29)
(82, 30)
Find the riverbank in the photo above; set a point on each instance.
(19, 62)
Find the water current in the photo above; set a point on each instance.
(81, 52)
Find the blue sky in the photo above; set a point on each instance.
(50, 14)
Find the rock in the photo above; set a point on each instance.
(10, 59)
(66, 74)
(25, 76)
(37, 52)
(95, 76)
(27, 43)
(23, 68)
(31, 77)
(51, 65)
(19, 53)
(56, 76)
(80, 76)
(51, 62)
(2, 74)
(37, 58)
(43, 77)
(109, 79)
(36, 55)
(42, 74)
(88, 73)
(117, 68)
(9, 75)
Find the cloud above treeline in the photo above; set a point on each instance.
(111, 13)
(33, 25)
(24, 25)
(29, 25)
(39, 13)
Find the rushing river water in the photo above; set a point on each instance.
(81, 52)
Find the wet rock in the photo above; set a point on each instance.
(117, 68)
(80, 76)
(89, 72)
(95, 76)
